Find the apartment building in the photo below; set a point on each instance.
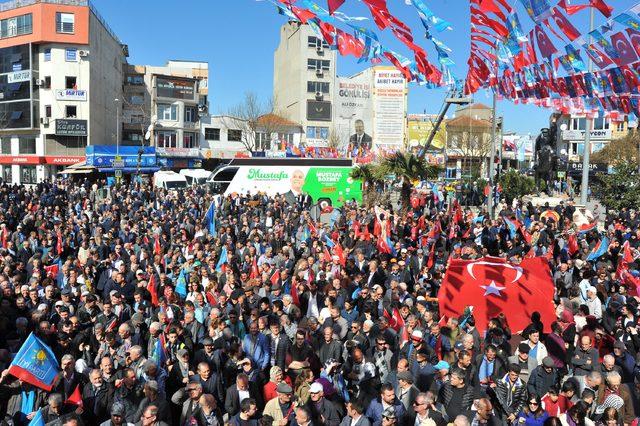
(60, 78)
(162, 106)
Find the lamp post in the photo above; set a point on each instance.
(117, 101)
(587, 135)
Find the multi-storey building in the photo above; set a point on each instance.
(60, 78)
(304, 81)
(162, 107)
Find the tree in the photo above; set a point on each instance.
(369, 175)
(140, 114)
(515, 185)
(256, 120)
(408, 168)
(472, 143)
(620, 189)
(619, 150)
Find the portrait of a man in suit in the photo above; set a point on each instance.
(295, 194)
(360, 139)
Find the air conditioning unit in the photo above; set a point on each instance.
(44, 121)
(83, 53)
(39, 82)
(319, 96)
(319, 73)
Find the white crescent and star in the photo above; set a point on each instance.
(492, 288)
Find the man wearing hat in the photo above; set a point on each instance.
(406, 391)
(543, 377)
(117, 416)
(282, 406)
(322, 410)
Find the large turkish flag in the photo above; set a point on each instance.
(493, 286)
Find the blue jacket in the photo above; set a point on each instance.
(258, 353)
(531, 420)
(374, 412)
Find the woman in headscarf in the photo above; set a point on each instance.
(276, 376)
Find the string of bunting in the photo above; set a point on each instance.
(347, 35)
(529, 68)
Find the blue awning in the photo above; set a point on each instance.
(128, 169)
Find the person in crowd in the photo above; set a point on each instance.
(158, 313)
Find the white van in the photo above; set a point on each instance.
(195, 176)
(169, 180)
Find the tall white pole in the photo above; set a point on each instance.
(587, 136)
(492, 157)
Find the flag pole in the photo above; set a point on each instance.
(587, 135)
(492, 157)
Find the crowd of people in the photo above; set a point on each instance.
(271, 317)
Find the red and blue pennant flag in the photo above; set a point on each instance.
(35, 363)
(599, 250)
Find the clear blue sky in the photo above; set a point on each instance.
(238, 38)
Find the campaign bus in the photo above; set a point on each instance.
(326, 181)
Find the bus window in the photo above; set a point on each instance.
(225, 174)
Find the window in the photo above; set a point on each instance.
(168, 112)
(234, 135)
(211, 134)
(601, 123)
(620, 127)
(27, 146)
(47, 82)
(136, 100)
(47, 54)
(263, 141)
(166, 139)
(5, 146)
(135, 79)
(316, 42)
(70, 83)
(136, 119)
(316, 133)
(317, 86)
(16, 26)
(71, 111)
(8, 176)
(189, 140)
(71, 55)
(28, 174)
(318, 64)
(47, 111)
(133, 137)
(65, 23)
(190, 114)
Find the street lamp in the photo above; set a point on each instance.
(117, 101)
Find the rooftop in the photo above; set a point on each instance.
(15, 4)
(468, 122)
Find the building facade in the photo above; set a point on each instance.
(304, 82)
(162, 107)
(60, 75)
(226, 137)
(572, 131)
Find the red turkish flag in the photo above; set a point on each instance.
(334, 5)
(494, 286)
(75, 398)
(153, 290)
(349, 45)
(603, 7)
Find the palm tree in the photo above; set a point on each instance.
(370, 178)
(408, 168)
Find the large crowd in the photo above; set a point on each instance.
(276, 318)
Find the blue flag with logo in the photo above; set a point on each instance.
(37, 420)
(35, 363)
(181, 284)
(211, 219)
